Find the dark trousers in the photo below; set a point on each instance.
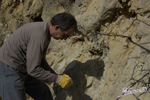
(14, 85)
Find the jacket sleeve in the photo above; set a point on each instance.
(45, 64)
(35, 51)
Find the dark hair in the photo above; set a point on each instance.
(65, 20)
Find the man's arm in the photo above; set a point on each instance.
(46, 66)
(44, 62)
(35, 51)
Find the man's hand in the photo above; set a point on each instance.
(64, 81)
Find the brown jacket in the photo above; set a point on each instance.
(25, 51)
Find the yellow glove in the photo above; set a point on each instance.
(64, 81)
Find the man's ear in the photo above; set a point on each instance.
(57, 27)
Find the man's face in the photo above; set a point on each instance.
(58, 34)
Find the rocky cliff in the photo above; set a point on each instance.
(109, 57)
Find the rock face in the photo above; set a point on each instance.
(108, 59)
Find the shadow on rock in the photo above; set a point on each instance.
(78, 72)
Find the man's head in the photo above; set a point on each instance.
(62, 26)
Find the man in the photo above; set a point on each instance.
(23, 67)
